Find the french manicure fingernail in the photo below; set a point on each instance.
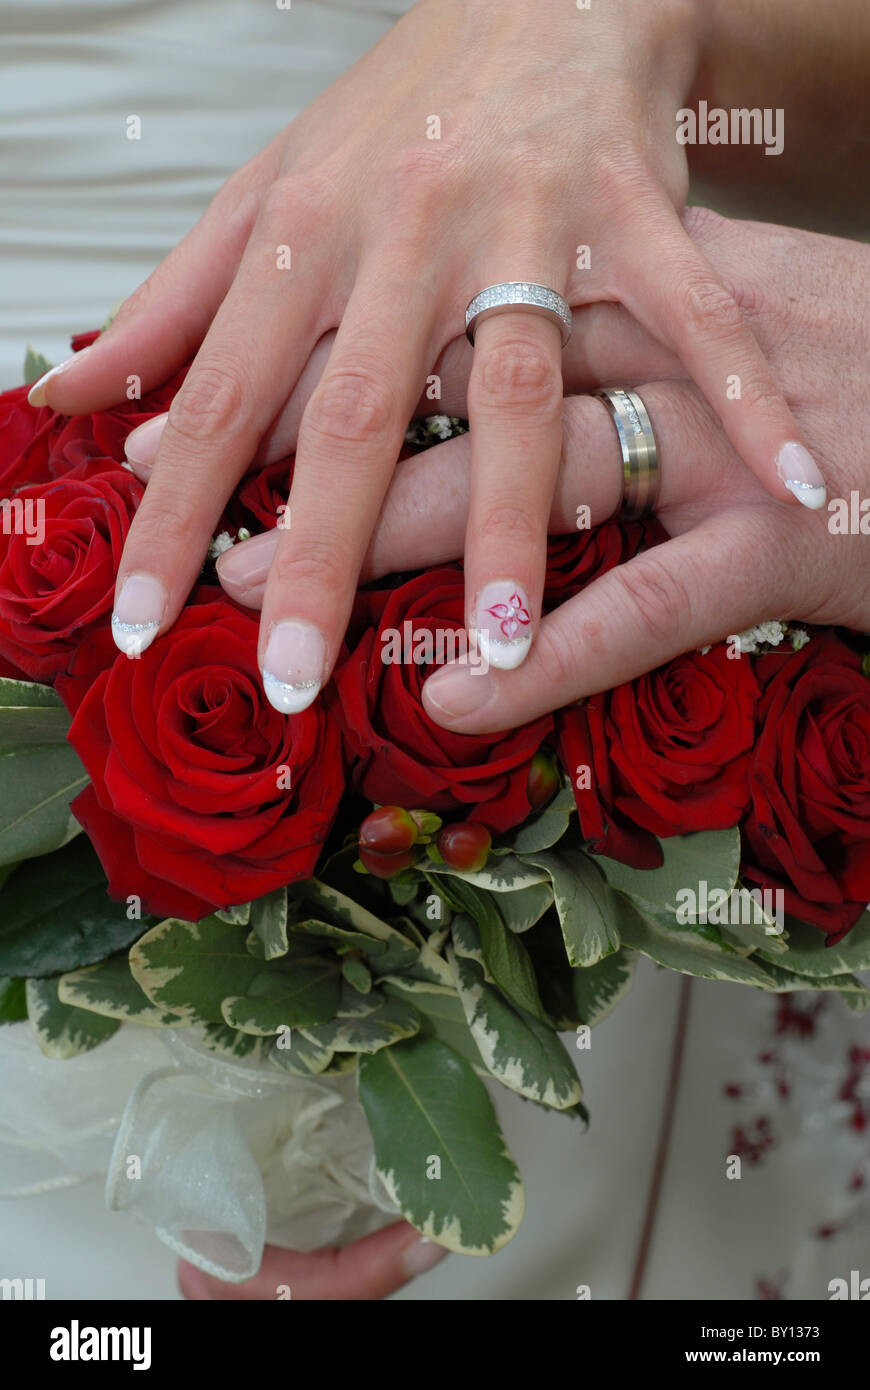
(503, 630)
(36, 394)
(420, 1256)
(139, 611)
(799, 471)
(140, 446)
(293, 666)
(458, 690)
(247, 564)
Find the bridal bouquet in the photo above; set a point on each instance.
(354, 890)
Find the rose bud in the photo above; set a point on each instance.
(543, 780)
(464, 846)
(386, 865)
(388, 830)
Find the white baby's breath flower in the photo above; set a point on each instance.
(441, 425)
(222, 542)
(768, 634)
(799, 638)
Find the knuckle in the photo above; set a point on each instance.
(657, 598)
(351, 404)
(517, 371)
(211, 401)
(759, 393)
(295, 200)
(509, 522)
(707, 306)
(320, 566)
(555, 661)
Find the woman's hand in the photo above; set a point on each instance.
(554, 135)
(366, 1269)
(735, 557)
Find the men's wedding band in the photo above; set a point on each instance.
(640, 462)
(521, 296)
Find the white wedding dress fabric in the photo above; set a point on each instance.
(86, 215)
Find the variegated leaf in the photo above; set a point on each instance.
(525, 1055)
(303, 995)
(440, 1008)
(392, 1020)
(62, 1031)
(429, 1112)
(707, 856)
(548, 827)
(808, 953)
(269, 922)
(583, 903)
(110, 990)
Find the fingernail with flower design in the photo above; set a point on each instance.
(503, 629)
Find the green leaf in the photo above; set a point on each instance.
(525, 1055)
(305, 994)
(353, 940)
(596, 989)
(684, 951)
(62, 1031)
(521, 910)
(238, 916)
(35, 366)
(548, 826)
(707, 856)
(31, 716)
(443, 1016)
(189, 968)
(785, 981)
(109, 989)
(294, 1053)
(423, 1103)
(808, 954)
(749, 925)
(335, 906)
(583, 903)
(507, 960)
(357, 973)
(13, 1001)
(268, 921)
(227, 1042)
(392, 1020)
(56, 915)
(36, 788)
(502, 874)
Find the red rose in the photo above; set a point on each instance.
(574, 560)
(401, 757)
(102, 435)
(808, 830)
(261, 498)
(26, 438)
(202, 795)
(668, 753)
(59, 554)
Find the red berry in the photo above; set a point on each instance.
(386, 865)
(465, 846)
(543, 780)
(388, 830)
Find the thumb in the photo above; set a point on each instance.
(366, 1269)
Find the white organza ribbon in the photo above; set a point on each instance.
(217, 1155)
